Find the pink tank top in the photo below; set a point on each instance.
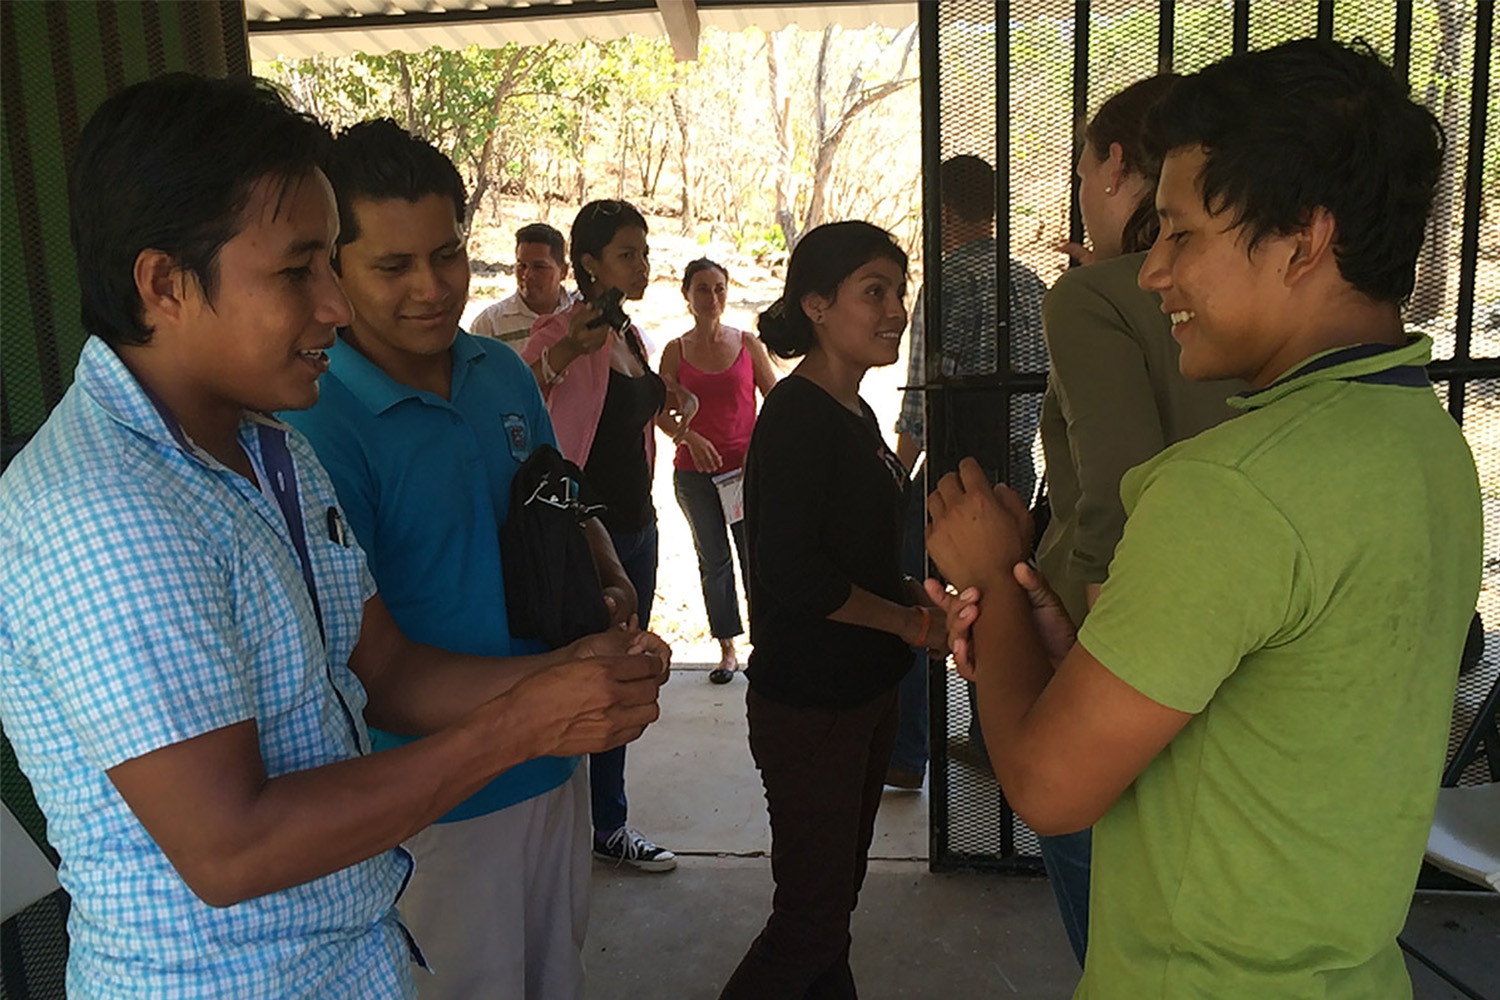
(726, 409)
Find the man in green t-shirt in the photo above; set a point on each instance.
(1255, 714)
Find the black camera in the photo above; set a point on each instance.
(610, 313)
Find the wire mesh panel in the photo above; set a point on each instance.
(58, 61)
(1013, 82)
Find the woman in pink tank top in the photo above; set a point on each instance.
(722, 367)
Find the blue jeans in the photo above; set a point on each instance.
(637, 552)
(699, 499)
(1068, 859)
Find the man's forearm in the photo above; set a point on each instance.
(435, 688)
(309, 823)
(1011, 670)
(233, 834)
(414, 689)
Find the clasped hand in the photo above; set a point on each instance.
(980, 538)
(977, 533)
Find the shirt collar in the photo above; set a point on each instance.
(1404, 364)
(378, 391)
(115, 389)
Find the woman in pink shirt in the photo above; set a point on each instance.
(604, 400)
(721, 367)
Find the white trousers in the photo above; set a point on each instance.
(499, 903)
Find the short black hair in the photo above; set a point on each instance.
(169, 164)
(1313, 124)
(968, 185)
(701, 264)
(540, 232)
(379, 160)
(820, 262)
(593, 228)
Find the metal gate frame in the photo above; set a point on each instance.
(1005, 385)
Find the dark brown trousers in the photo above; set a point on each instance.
(823, 770)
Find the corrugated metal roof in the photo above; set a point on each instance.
(297, 29)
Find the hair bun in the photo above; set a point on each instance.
(779, 330)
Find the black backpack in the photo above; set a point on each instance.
(552, 589)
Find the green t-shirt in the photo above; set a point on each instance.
(1301, 579)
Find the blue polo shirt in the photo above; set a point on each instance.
(425, 484)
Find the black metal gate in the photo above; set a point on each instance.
(1011, 81)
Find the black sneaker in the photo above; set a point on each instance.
(627, 847)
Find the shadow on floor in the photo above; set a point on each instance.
(693, 788)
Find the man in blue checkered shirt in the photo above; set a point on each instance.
(190, 641)
(970, 300)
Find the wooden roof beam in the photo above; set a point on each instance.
(680, 18)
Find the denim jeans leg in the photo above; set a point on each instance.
(699, 499)
(637, 551)
(1068, 859)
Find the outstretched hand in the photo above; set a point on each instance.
(959, 613)
(1053, 625)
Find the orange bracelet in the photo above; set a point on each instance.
(926, 626)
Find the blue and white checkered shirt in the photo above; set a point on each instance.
(150, 595)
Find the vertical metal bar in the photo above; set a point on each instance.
(1165, 21)
(1002, 393)
(938, 850)
(1401, 56)
(1002, 219)
(1080, 110)
(1241, 42)
(1325, 20)
(1468, 253)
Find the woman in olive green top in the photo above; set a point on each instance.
(1114, 397)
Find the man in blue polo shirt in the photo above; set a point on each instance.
(422, 428)
(190, 642)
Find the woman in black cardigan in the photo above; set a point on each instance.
(831, 620)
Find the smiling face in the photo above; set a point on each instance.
(1224, 300)
(707, 294)
(861, 325)
(539, 277)
(624, 263)
(407, 276)
(258, 345)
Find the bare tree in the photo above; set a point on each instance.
(831, 124)
(1431, 293)
(781, 115)
(685, 216)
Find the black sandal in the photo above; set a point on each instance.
(719, 675)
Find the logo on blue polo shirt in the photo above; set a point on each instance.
(517, 435)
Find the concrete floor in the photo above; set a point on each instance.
(693, 788)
